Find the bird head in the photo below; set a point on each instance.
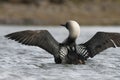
(73, 27)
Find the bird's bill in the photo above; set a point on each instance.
(62, 25)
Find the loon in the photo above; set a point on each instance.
(68, 52)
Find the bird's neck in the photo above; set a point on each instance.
(73, 35)
(74, 32)
(69, 41)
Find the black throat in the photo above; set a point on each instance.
(69, 41)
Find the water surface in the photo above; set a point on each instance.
(20, 62)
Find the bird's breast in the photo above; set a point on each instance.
(68, 55)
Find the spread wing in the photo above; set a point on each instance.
(40, 38)
(101, 41)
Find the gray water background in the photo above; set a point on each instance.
(20, 62)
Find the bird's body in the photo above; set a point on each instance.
(68, 51)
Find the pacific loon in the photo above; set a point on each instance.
(68, 51)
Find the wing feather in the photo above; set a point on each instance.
(101, 41)
(40, 38)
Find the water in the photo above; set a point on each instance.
(20, 62)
